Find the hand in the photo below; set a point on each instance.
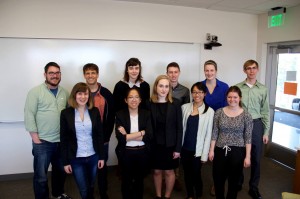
(247, 162)
(35, 138)
(176, 155)
(68, 169)
(265, 139)
(211, 155)
(100, 164)
(122, 130)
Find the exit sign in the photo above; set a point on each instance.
(276, 17)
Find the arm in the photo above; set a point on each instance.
(265, 113)
(248, 138)
(208, 133)
(110, 120)
(211, 154)
(247, 160)
(64, 140)
(179, 128)
(99, 134)
(215, 134)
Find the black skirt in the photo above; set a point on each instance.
(162, 158)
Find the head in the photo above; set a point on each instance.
(210, 70)
(161, 88)
(198, 91)
(251, 69)
(81, 95)
(91, 73)
(173, 72)
(52, 74)
(133, 70)
(234, 96)
(133, 98)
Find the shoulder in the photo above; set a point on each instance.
(176, 102)
(183, 87)
(120, 84)
(67, 111)
(241, 84)
(247, 114)
(261, 86)
(105, 91)
(186, 106)
(144, 84)
(223, 84)
(122, 112)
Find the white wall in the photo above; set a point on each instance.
(290, 31)
(96, 19)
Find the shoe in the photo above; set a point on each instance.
(64, 196)
(212, 190)
(254, 194)
(177, 185)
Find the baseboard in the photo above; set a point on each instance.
(17, 176)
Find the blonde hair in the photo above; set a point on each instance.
(80, 87)
(154, 96)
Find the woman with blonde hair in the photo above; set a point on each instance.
(167, 135)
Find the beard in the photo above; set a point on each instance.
(48, 81)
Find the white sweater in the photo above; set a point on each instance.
(204, 128)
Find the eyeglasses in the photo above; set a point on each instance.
(198, 93)
(251, 68)
(131, 98)
(54, 73)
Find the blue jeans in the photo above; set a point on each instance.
(85, 171)
(44, 154)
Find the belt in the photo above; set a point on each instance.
(135, 147)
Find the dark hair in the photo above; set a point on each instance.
(90, 66)
(211, 62)
(80, 87)
(202, 87)
(237, 90)
(132, 62)
(51, 64)
(133, 89)
(173, 64)
(249, 63)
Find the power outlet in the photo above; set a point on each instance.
(208, 36)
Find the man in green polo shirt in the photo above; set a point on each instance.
(255, 100)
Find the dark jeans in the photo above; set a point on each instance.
(102, 175)
(134, 166)
(228, 167)
(44, 154)
(85, 171)
(192, 173)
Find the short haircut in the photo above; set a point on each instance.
(249, 63)
(132, 62)
(200, 86)
(90, 66)
(237, 90)
(211, 62)
(154, 96)
(51, 64)
(80, 87)
(173, 64)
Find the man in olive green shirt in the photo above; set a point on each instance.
(42, 120)
(255, 101)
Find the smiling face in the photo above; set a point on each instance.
(133, 99)
(52, 76)
(251, 71)
(210, 72)
(91, 77)
(233, 99)
(133, 72)
(163, 88)
(173, 73)
(198, 95)
(82, 98)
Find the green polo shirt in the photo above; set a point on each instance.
(256, 101)
(42, 112)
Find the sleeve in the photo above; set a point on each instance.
(225, 88)
(99, 134)
(30, 111)
(187, 98)
(148, 130)
(118, 96)
(248, 128)
(110, 116)
(64, 139)
(179, 127)
(265, 113)
(119, 122)
(207, 139)
(215, 132)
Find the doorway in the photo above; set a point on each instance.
(283, 81)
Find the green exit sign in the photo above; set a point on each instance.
(276, 20)
(276, 17)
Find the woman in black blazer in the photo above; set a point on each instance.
(134, 133)
(81, 137)
(167, 134)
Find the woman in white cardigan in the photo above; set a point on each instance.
(197, 130)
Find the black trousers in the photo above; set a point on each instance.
(192, 173)
(134, 166)
(228, 167)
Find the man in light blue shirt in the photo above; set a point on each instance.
(42, 120)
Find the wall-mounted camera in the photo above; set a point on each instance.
(212, 42)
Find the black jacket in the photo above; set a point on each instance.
(123, 119)
(68, 138)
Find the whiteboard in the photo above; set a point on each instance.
(22, 62)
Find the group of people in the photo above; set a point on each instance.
(226, 125)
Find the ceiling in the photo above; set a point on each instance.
(241, 6)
